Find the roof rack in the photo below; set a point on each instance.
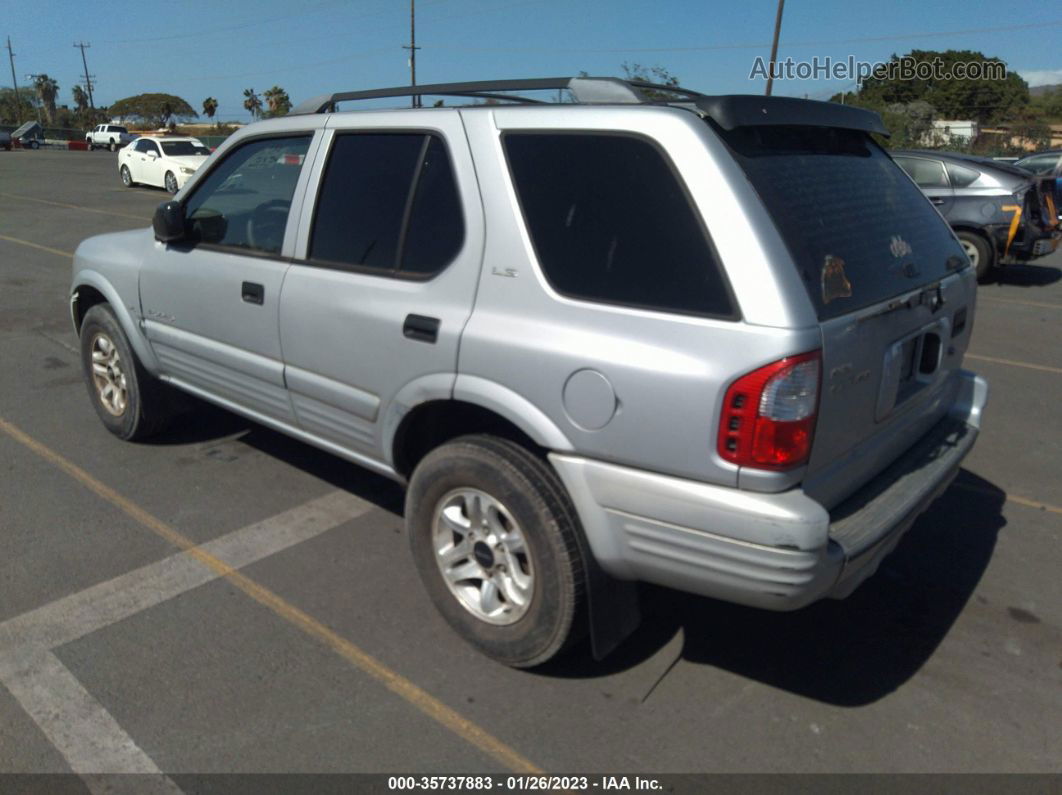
(728, 112)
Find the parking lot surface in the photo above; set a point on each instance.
(225, 599)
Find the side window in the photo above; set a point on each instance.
(960, 176)
(244, 202)
(610, 222)
(142, 145)
(388, 201)
(925, 173)
(1042, 164)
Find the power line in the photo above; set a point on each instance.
(756, 45)
(14, 82)
(88, 78)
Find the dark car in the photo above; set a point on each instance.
(999, 212)
(29, 136)
(1046, 164)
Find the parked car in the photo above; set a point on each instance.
(163, 162)
(111, 136)
(714, 345)
(1047, 164)
(5, 140)
(998, 212)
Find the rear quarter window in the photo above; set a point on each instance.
(856, 227)
(610, 222)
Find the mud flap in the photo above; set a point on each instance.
(614, 608)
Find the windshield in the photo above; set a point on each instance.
(180, 148)
(857, 228)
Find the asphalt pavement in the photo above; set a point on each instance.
(225, 599)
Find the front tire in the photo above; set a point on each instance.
(127, 178)
(129, 401)
(494, 538)
(88, 145)
(171, 182)
(979, 252)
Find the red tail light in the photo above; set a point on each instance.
(768, 416)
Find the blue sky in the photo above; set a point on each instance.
(200, 48)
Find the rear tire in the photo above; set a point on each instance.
(494, 538)
(130, 402)
(113, 147)
(34, 145)
(980, 253)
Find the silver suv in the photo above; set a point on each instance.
(713, 343)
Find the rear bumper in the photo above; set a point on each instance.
(774, 551)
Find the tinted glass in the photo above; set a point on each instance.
(142, 145)
(961, 177)
(244, 202)
(436, 227)
(1041, 164)
(181, 148)
(858, 230)
(925, 173)
(363, 197)
(610, 222)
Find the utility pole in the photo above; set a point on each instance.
(774, 46)
(414, 100)
(88, 77)
(14, 82)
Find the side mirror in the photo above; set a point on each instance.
(152, 155)
(169, 222)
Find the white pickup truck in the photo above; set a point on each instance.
(111, 136)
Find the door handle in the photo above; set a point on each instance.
(936, 200)
(421, 328)
(252, 293)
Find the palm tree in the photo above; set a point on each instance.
(252, 103)
(210, 107)
(278, 101)
(80, 99)
(47, 90)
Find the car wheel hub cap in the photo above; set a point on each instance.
(107, 376)
(483, 556)
(971, 252)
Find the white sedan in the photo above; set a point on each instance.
(164, 162)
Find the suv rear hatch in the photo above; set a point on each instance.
(892, 287)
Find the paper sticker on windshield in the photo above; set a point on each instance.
(899, 247)
(834, 283)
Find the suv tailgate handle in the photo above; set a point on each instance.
(421, 327)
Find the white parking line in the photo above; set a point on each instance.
(88, 737)
(85, 733)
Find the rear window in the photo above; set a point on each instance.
(611, 223)
(857, 228)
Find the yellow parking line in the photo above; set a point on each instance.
(1013, 363)
(393, 681)
(1040, 506)
(50, 250)
(73, 206)
(1016, 301)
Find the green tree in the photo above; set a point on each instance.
(650, 74)
(252, 103)
(278, 101)
(12, 112)
(987, 101)
(157, 110)
(80, 99)
(47, 90)
(210, 107)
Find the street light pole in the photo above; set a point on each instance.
(774, 46)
